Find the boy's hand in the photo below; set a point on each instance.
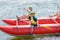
(18, 18)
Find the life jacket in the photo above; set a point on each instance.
(32, 19)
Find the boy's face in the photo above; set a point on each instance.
(30, 8)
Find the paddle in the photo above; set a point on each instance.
(47, 27)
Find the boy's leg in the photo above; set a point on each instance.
(32, 29)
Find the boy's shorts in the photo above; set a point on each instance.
(34, 24)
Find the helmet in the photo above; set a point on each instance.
(30, 7)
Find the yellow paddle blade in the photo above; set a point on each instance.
(47, 27)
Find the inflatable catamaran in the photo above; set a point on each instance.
(47, 26)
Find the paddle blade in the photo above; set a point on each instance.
(47, 27)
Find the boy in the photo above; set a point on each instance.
(31, 16)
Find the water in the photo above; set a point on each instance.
(10, 8)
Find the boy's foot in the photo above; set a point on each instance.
(30, 34)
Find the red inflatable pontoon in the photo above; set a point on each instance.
(40, 21)
(12, 30)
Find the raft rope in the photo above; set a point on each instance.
(55, 21)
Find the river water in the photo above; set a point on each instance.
(10, 8)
